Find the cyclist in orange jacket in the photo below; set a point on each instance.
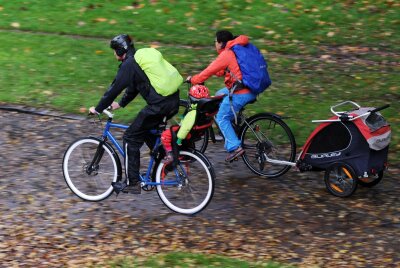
(226, 60)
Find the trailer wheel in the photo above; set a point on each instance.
(340, 179)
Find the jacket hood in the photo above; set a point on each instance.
(240, 40)
(130, 53)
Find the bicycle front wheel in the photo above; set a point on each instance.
(267, 136)
(187, 188)
(89, 169)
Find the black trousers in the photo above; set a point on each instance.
(139, 132)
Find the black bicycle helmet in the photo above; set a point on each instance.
(121, 44)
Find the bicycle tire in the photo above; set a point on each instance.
(95, 186)
(196, 183)
(340, 179)
(368, 182)
(275, 140)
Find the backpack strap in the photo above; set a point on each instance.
(238, 84)
(235, 86)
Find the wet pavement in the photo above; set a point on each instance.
(292, 219)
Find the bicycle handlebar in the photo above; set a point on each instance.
(343, 116)
(108, 113)
(379, 108)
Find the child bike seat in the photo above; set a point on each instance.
(209, 105)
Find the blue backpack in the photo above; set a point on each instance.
(253, 66)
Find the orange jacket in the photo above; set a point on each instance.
(225, 59)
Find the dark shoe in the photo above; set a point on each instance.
(121, 186)
(235, 154)
(169, 158)
(133, 188)
(118, 186)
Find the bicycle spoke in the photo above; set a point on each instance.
(96, 184)
(267, 137)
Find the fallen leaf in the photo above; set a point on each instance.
(100, 20)
(48, 92)
(15, 25)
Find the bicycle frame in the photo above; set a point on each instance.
(146, 178)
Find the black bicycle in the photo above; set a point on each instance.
(263, 136)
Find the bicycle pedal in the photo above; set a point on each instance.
(148, 188)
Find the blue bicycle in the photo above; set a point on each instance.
(90, 164)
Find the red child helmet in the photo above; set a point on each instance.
(199, 91)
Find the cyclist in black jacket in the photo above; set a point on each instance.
(132, 78)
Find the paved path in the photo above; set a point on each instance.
(292, 219)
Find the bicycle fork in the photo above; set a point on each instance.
(94, 165)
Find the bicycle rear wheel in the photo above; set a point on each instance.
(91, 182)
(187, 188)
(266, 135)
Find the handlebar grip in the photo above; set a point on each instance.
(380, 108)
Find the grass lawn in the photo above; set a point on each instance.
(186, 260)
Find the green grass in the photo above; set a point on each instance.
(186, 260)
(278, 25)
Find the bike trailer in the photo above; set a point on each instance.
(357, 140)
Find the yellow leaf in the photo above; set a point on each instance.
(15, 24)
(127, 8)
(48, 92)
(99, 52)
(100, 20)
